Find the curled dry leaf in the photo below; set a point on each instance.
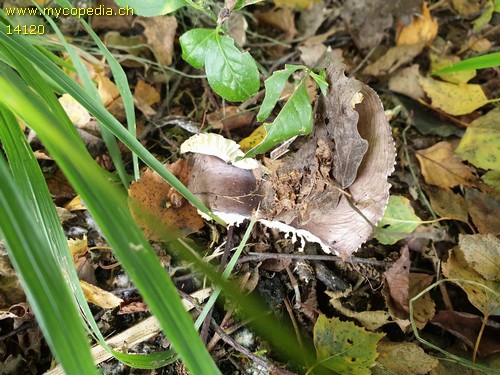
(156, 206)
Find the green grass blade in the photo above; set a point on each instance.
(486, 61)
(120, 80)
(107, 136)
(108, 205)
(30, 181)
(19, 45)
(41, 277)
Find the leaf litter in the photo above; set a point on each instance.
(332, 183)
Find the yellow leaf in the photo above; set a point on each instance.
(99, 297)
(480, 144)
(253, 139)
(424, 28)
(296, 4)
(482, 252)
(107, 89)
(440, 62)
(75, 204)
(146, 93)
(454, 99)
(78, 115)
(443, 168)
(483, 294)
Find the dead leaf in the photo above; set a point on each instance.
(454, 99)
(393, 59)
(144, 97)
(76, 204)
(107, 89)
(370, 20)
(280, 18)
(230, 118)
(310, 55)
(371, 320)
(402, 358)
(442, 167)
(442, 61)
(160, 32)
(11, 291)
(111, 22)
(484, 209)
(157, 207)
(480, 144)
(483, 294)
(405, 81)
(467, 328)
(448, 204)
(482, 253)
(99, 297)
(400, 286)
(78, 115)
(397, 281)
(423, 29)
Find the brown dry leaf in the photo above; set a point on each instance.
(160, 32)
(280, 18)
(467, 328)
(423, 29)
(393, 59)
(132, 306)
(369, 20)
(403, 358)
(11, 291)
(114, 22)
(311, 54)
(484, 209)
(442, 167)
(107, 89)
(454, 99)
(157, 207)
(371, 320)
(144, 97)
(99, 297)
(230, 118)
(448, 204)
(482, 253)
(405, 81)
(400, 286)
(483, 294)
(397, 281)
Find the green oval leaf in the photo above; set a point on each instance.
(274, 86)
(296, 118)
(195, 45)
(231, 73)
(150, 8)
(398, 220)
(344, 347)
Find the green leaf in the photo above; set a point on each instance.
(345, 348)
(398, 220)
(296, 118)
(150, 8)
(231, 73)
(320, 80)
(28, 245)
(244, 3)
(274, 86)
(195, 45)
(487, 61)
